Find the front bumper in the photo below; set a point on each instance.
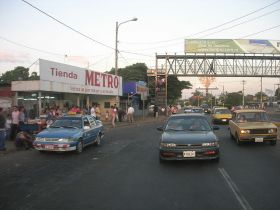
(257, 138)
(207, 153)
(63, 147)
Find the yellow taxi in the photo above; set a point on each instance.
(221, 115)
(252, 125)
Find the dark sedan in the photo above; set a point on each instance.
(188, 137)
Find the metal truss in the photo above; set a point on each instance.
(219, 65)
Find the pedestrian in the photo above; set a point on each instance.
(113, 116)
(15, 122)
(2, 130)
(97, 112)
(92, 111)
(106, 115)
(116, 110)
(21, 116)
(130, 113)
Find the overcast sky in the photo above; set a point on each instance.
(27, 34)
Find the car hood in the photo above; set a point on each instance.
(58, 133)
(190, 137)
(256, 125)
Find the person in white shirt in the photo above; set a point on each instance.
(92, 111)
(15, 122)
(130, 113)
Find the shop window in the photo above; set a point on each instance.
(107, 105)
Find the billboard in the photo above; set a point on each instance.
(60, 77)
(230, 46)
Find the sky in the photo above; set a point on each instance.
(27, 34)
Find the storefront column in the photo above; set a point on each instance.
(88, 102)
(78, 101)
(39, 103)
(15, 101)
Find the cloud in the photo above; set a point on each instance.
(10, 57)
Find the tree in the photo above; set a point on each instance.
(175, 87)
(19, 73)
(233, 99)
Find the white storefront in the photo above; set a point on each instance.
(65, 85)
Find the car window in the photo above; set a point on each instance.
(188, 124)
(64, 122)
(252, 117)
(222, 111)
(92, 121)
(86, 122)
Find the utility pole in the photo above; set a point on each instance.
(243, 99)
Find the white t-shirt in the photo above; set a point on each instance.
(130, 110)
(92, 112)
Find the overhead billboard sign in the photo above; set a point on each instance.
(66, 78)
(230, 46)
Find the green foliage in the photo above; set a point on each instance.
(19, 73)
(175, 87)
(233, 99)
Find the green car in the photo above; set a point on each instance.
(188, 137)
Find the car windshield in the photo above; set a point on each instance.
(67, 123)
(222, 111)
(187, 124)
(252, 117)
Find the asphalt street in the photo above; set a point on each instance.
(125, 173)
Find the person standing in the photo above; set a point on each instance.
(2, 130)
(155, 111)
(130, 113)
(97, 112)
(15, 122)
(113, 116)
(92, 111)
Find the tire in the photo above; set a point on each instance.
(273, 142)
(231, 136)
(79, 147)
(97, 140)
(237, 140)
(161, 161)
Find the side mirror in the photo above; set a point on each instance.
(159, 128)
(86, 127)
(215, 127)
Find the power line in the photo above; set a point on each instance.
(209, 29)
(71, 28)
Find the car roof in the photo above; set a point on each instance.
(187, 115)
(248, 110)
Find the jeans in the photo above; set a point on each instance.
(2, 139)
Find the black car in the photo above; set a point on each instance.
(188, 137)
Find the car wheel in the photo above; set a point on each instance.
(161, 161)
(237, 139)
(231, 136)
(79, 147)
(98, 140)
(273, 142)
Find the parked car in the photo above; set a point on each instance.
(252, 126)
(188, 137)
(70, 133)
(221, 115)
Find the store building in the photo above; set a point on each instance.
(64, 86)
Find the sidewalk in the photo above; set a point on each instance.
(10, 145)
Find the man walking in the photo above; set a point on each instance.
(130, 113)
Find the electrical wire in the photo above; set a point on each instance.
(209, 29)
(71, 28)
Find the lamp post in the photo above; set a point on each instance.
(116, 48)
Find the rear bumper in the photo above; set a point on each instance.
(256, 138)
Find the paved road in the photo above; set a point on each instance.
(124, 173)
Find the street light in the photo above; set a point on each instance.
(116, 49)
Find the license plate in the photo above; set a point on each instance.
(258, 139)
(189, 154)
(224, 120)
(48, 146)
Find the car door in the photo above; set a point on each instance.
(94, 128)
(87, 131)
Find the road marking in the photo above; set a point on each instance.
(241, 199)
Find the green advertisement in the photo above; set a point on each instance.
(232, 46)
(211, 46)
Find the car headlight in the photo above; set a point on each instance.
(168, 145)
(65, 140)
(245, 131)
(272, 130)
(39, 139)
(210, 144)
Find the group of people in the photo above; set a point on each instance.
(117, 115)
(10, 127)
